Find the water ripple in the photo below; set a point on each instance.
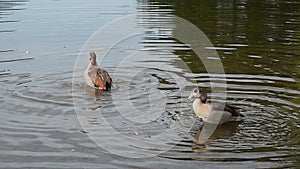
(39, 126)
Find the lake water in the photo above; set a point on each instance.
(51, 119)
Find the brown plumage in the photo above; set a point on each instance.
(95, 76)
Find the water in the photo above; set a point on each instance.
(258, 45)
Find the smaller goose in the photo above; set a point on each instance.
(215, 113)
(95, 76)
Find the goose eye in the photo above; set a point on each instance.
(195, 91)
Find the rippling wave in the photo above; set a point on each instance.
(39, 124)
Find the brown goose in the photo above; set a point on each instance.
(215, 113)
(95, 76)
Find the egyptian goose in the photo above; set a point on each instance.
(215, 113)
(95, 76)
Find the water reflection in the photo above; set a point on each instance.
(209, 132)
(255, 40)
(258, 44)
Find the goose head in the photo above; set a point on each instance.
(198, 93)
(93, 58)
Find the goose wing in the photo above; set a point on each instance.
(97, 78)
(225, 107)
(105, 75)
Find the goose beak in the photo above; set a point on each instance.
(191, 96)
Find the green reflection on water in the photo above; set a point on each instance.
(256, 38)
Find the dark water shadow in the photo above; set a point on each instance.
(209, 132)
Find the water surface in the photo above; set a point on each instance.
(258, 45)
